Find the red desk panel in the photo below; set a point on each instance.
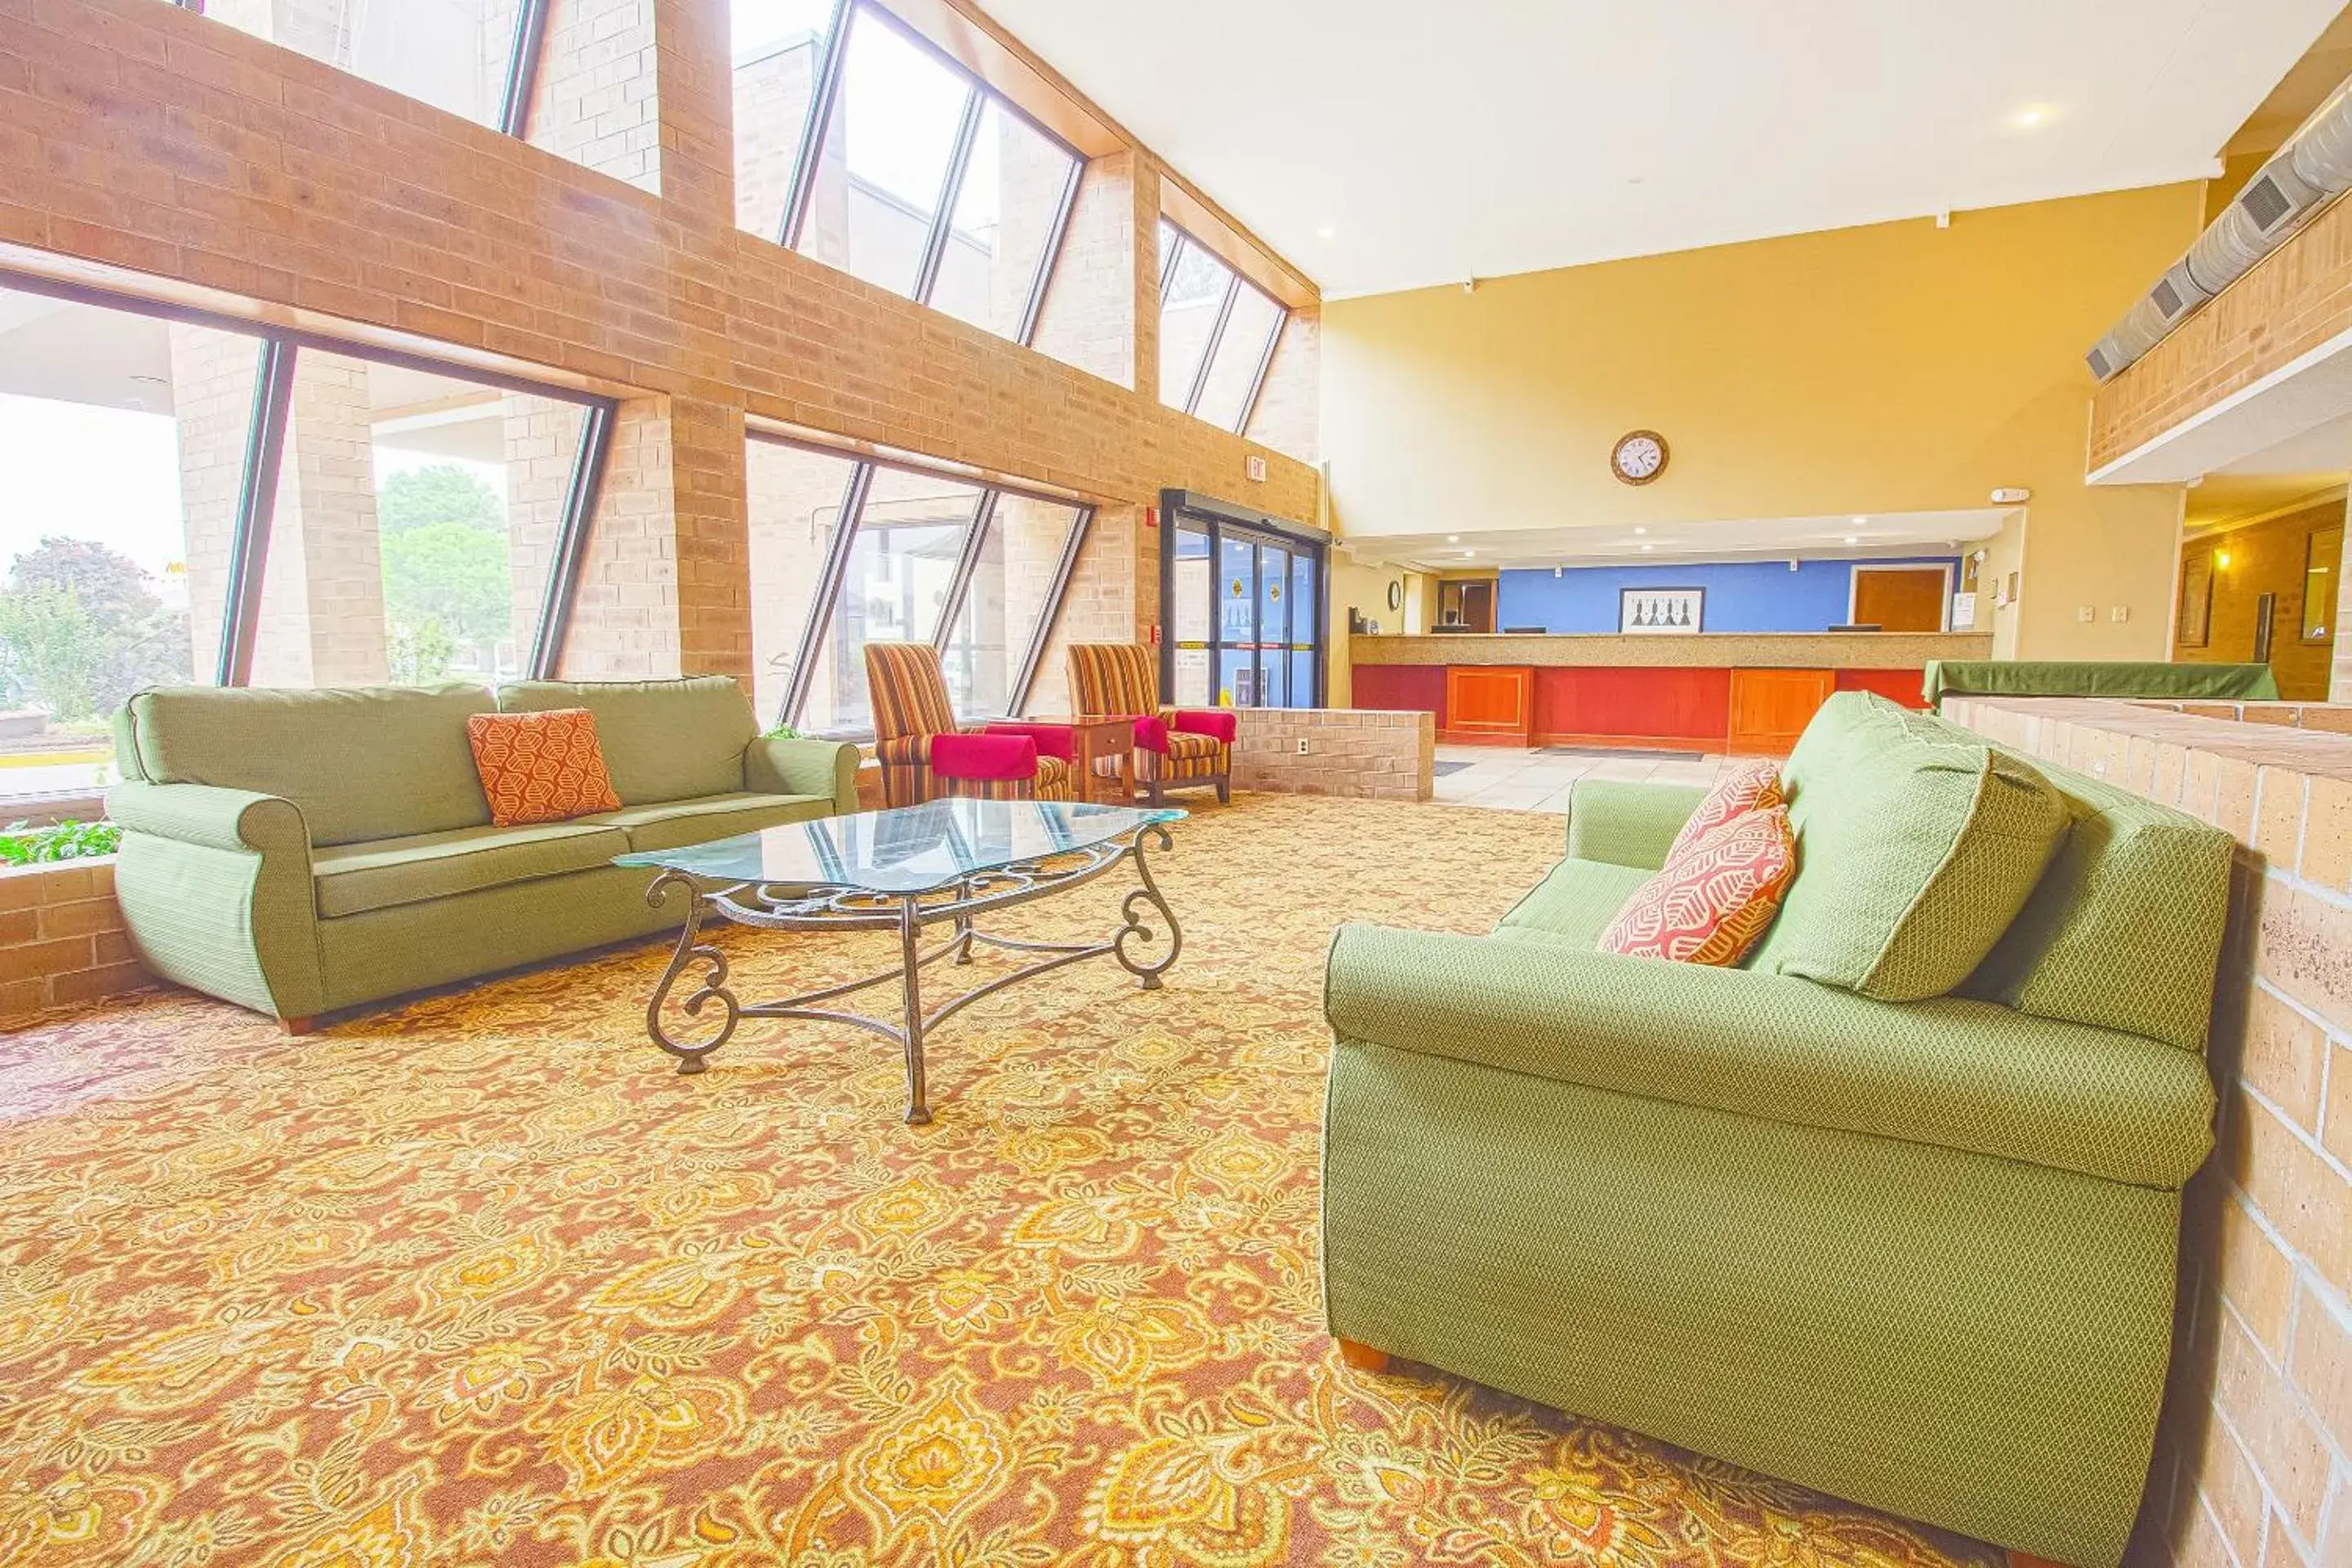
(1618, 704)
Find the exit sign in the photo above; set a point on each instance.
(1254, 467)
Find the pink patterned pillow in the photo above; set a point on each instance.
(1742, 787)
(1713, 899)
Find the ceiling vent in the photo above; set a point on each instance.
(2315, 166)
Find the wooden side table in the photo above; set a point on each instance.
(1094, 739)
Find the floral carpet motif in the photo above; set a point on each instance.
(481, 1281)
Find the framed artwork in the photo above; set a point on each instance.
(2196, 600)
(1661, 611)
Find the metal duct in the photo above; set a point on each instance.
(2313, 168)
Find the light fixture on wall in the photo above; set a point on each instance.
(2221, 559)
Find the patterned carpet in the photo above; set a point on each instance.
(482, 1281)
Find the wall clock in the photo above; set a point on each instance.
(1638, 458)
(1396, 595)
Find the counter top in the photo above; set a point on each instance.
(1715, 650)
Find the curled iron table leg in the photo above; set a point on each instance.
(691, 1054)
(1146, 898)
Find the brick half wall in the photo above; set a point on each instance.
(61, 938)
(2253, 1456)
(1349, 751)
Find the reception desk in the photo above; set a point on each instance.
(1750, 694)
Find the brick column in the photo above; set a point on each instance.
(1102, 603)
(322, 594)
(693, 98)
(595, 102)
(1285, 417)
(1102, 312)
(212, 375)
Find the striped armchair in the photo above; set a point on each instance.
(925, 754)
(1175, 748)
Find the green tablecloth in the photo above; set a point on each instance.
(2096, 678)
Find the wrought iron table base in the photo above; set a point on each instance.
(802, 907)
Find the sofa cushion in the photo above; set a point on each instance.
(541, 767)
(1574, 903)
(355, 878)
(2124, 930)
(1713, 898)
(1743, 788)
(360, 762)
(671, 824)
(1916, 845)
(663, 740)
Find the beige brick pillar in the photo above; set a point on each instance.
(1285, 415)
(1102, 603)
(213, 378)
(1102, 313)
(322, 594)
(595, 102)
(2339, 674)
(665, 589)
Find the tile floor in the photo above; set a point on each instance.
(1508, 779)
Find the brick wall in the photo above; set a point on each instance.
(2254, 1462)
(61, 938)
(1349, 751)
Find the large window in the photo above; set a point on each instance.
(575, 76)
(845, 552)
(1242, 596)
(1217, 333)
(860, 144)
(185, 500)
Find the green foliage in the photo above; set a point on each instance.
(80, 629)
(445, 492)
(786, 732)
(445, 570)
(24, 844)
(452, 574)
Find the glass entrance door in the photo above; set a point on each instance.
(1243, 619)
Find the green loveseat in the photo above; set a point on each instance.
(1917, 1253)
(298, 852)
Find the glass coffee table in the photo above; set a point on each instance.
(945, 863)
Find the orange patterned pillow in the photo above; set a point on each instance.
(541, 767)
(1743, 788)
(1713, 899)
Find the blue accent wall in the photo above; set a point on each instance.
(1742, 595)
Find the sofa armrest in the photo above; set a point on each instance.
(217, 819)
(778, 765)
(1627, 824)
(1951, 1073)
(214, 885)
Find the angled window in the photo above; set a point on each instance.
(457, 55)
(122, 439)
(1217, 332)
(799, 501)
(1006, 606)
(846, 551)
(414, 528)
(862, 145)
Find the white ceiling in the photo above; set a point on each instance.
(1439, 142)
(1753, 539)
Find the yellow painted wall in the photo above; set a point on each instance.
(1899, 367)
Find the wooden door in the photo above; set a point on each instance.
(1478, 606)
(1771, 708)
(1489, 704)
(1899, 598)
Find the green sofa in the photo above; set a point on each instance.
(298, 852)
(1902, 1232)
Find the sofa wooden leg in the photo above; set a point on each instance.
(1363, 1358)
(1224, 790)
(298, 1026)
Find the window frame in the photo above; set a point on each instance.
(1235, 284)
(1212, 517)
(279, 350)
(825, 105)
(834, 574)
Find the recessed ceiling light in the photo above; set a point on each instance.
(2031, 118)
(1647, 548)
(1850, 538)
(1326, 232)
(1862, 522)
(1453, 538)
(1468, 554)
(1640, 530)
